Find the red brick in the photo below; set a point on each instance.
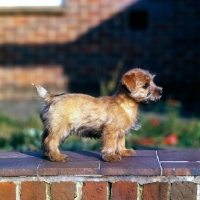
(94, 190)
(155, 191)
(63, 190)
(7, 191)
(93, 1)
(183, 191)
(33, 190)
(20, 21)
(124, 190)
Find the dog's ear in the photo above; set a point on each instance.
(128, 80)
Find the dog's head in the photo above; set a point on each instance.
(140, 86)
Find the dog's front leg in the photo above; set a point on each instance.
(122, 150)
(109, 148)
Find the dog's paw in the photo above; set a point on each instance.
(58, 158)
(111, 157)
(127, 152)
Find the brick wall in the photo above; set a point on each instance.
(90, 38)
(15, 82)
(30, 43)
(89, 190)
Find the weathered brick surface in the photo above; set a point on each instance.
(155, 191)
(94, 190)
(183, 191)
(63, 190)
(7, 191)
(33, 190)
(124, 190)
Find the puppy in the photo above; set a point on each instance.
(109, 118)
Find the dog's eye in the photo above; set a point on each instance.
(145, 86)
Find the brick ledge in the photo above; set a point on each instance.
(89, 163)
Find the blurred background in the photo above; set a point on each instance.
(84, 46)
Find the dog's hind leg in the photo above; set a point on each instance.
(44, 135)
(50, 149)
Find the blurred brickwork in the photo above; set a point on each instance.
(86, 42)
(34, 47)
(16, 81)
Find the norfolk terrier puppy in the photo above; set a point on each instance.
(109, 117)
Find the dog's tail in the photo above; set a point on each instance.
(43, 93)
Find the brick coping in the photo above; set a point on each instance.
(89, 163)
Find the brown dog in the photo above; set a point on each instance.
(109, 118)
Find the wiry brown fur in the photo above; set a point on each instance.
(109, 118)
